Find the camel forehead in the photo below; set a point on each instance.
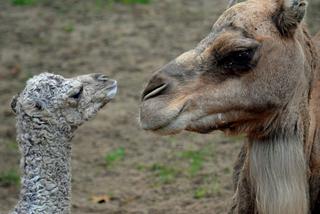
(47, 85)
(248, 15)
(43, 79)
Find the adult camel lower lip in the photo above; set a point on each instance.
(169, 122)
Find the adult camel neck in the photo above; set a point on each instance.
(45, 165)
(278, 164)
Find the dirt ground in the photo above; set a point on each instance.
(117, 167)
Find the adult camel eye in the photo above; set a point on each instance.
(77, 95)
(237, 61)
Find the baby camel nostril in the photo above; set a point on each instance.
(153, 91)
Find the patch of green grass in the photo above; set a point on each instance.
(115, 156)
(187, 163)
(196, 160)
(165, 174)
(23, 2)
(68, 28)
(200, 192)
(212, 187)
(141, 167)
(215, 186)
(9, 178)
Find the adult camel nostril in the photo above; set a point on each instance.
(157, 86)
(153, 91)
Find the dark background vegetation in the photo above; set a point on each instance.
(117, 167)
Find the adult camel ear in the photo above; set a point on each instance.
(232, 2)
(289, 15)
(14, 103)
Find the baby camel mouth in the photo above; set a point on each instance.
(112, 90)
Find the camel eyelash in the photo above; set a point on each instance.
(237, 61)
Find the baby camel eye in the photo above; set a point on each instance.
(237, 60)
(78, 94)
(38, 106)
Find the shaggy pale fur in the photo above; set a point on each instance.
(49, 110)
(279, 174)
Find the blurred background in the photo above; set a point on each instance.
(117, 167)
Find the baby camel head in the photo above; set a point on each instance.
(53, 98)
(239, 78)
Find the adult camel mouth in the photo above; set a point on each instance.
(203, 125)
(167, 121)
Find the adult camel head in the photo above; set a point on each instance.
(245, 76)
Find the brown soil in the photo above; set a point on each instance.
(70, 37)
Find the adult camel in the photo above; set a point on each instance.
(255, 73)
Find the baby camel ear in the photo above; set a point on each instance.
(289, 16)
(14, 103)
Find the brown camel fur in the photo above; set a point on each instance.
(255, 73)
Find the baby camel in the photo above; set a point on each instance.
(257, 73)
(49, 110)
